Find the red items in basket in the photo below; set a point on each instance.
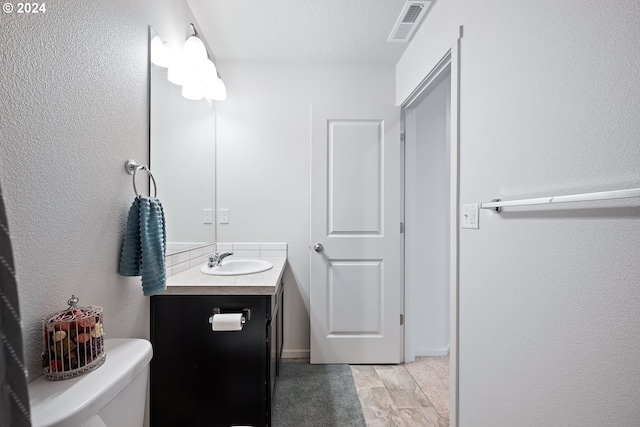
(73, 341)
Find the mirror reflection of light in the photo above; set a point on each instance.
(176, 70)
(192, 89)
(213, 87)
(216, 91)
(160, 54)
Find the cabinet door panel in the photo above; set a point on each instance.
(201, 377)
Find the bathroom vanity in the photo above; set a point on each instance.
(202, 377)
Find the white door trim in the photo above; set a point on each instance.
(450, 58)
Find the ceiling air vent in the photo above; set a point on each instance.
(412, 13)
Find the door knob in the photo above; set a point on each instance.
(318, 247)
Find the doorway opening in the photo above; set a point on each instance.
(429, 124)
(427, 212)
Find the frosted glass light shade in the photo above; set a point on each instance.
(194, 71)
(216, 90)
(194, 52)
(208, 71)
(160, 54)
(193, 86)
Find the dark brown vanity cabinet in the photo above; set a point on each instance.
(201, 377)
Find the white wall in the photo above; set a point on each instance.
(263, 135)
(549, 297)
(183, 157)
(427, 224)
(74, 107)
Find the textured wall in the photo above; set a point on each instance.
(263, 160)
(73, 108)
(549, 297)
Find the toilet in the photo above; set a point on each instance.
(112, 395)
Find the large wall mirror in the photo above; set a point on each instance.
(182, 159)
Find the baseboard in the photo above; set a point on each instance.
(296, 354)
(432, 352)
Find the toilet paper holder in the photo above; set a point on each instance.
(245, 316)
(246, 312)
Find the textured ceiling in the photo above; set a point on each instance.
(352, 31)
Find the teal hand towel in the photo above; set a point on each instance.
(143, 249)
(130, 255)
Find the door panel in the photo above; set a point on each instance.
(354, 197)
(355, 216)
(355, 281)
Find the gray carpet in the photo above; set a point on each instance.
(316, 396)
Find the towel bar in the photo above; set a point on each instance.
(132, 168)
(496, 205)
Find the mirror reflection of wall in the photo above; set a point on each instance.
(182, 159)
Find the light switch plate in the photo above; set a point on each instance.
(224, 216)
(469, 216)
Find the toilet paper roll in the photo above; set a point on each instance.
(227, 322)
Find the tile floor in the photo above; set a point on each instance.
(408, 395)
(432, 376)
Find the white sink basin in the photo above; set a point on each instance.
(236, 267)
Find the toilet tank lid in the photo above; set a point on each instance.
(67, 402)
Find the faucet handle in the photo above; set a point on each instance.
(213, 259)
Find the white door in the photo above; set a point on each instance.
(355, 235)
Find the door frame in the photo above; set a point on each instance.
(451, 59)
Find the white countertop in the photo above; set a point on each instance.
(194, 282)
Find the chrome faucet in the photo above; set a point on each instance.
(216, 258)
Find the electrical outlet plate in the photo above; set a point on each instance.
(469, 216)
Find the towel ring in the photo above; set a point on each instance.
(132, 168)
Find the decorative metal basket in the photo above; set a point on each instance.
(73, 341)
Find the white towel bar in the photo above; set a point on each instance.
(496, 205)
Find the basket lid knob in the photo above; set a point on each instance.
(73, 301)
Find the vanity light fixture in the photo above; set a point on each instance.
(193, 53)
(195, 72)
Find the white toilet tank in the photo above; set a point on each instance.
(112, 395)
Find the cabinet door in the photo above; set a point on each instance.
(201, 377)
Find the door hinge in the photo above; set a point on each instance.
(402, 136)
(401, 227)
(401, 319)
